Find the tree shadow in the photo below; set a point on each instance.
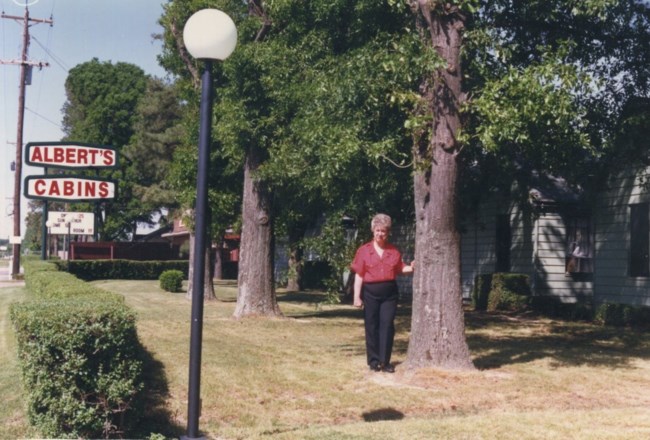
(383, 414)
(156, 417)
(564, 343)
(303, 297)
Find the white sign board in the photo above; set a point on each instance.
(70, 155)
(81, 223)
(67, 188)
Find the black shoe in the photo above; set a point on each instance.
(388, 368)
(375, 366)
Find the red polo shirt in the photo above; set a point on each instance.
(373, 268)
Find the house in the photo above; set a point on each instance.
(226, 267)
(572, 247)
(622, 239)
(544, 231)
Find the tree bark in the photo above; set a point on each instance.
(256, 295)
(437, 325)
(208, 286)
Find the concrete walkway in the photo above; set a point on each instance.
(5, 278)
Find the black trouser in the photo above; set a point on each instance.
(379, 309)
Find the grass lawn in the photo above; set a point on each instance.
(304, 377)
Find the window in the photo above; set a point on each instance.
(639, 240)
(503, 243)
(579, 251)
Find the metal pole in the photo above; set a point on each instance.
(44, 231)
(200, 233)
(67, 252)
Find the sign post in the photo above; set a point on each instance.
(66, 187)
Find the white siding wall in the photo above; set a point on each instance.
(537, 250)
(612, 283)
(550, 276)
(478, 247)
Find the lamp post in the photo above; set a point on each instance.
(209, 35)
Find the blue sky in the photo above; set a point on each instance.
(110, 30)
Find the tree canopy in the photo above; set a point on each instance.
(340, 103)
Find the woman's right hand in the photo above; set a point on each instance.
(358, 303)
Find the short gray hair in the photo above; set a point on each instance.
(381, 220)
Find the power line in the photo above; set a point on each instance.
(56, 124)
(52, 56)
(25, 71)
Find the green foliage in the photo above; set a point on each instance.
(481, 291)
(335, 252)
(81, 367)
(501, 291)
(171, 280)
(509, 291)
(90, 270)
(102, 107)
(53, 285)
(622, 315)
(80, 356)
(553, 307)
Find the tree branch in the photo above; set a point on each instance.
(185, 56)
(256, 8)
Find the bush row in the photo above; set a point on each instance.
(80, 356)
(501, 291)
(507, 291)
(90, 270)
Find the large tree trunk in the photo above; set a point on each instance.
(438, 326)
(256, 295)
(208, 286)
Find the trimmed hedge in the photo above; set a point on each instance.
(622, 315)
(553, 307)
(60, 285)
(91, 270)
(501, 291)
(171, 280)
(81, 360)
(81, 365)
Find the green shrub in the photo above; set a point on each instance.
(81, 364)
(171, 280)
(51, 285)
(553, 307)
(90, 270)
(621, 315)
(509, 291)
(80, 356)
(481, 291)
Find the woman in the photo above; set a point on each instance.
(376, 265)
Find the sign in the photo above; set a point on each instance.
(15, 239)
(81, 223)
(69, 188)
(70, 155)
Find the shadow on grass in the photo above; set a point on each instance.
(302, 297)
(564, 343)
(500, 339)
(383, 414)
(157, 419)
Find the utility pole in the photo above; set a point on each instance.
(25, 73)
